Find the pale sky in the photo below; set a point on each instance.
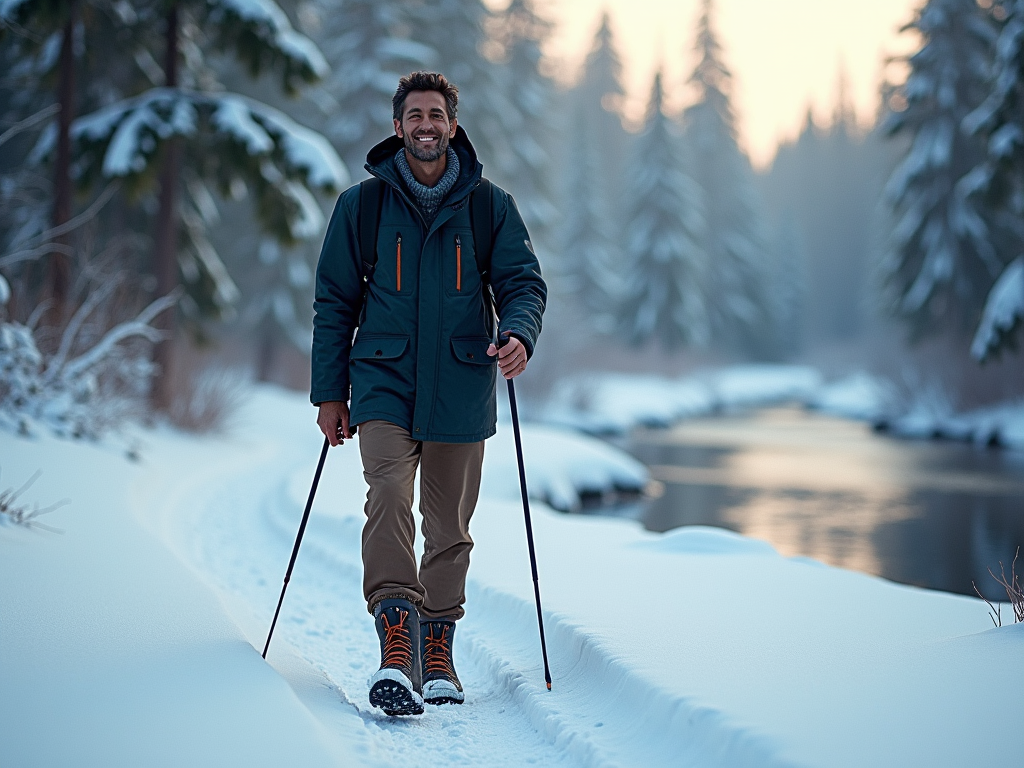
(784, 54)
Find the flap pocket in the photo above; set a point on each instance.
(473, 349)
(379, 347)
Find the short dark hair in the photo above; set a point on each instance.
(425, 81)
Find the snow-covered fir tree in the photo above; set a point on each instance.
(1000, 121)
(944, 254)
(368, 45)
(456, 31)
(523, 167)
(179, 144)
(665, 271)
(733, 238)
(592, 179)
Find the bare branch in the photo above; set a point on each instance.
(84, 217)
(34, 253)
(138, 327)
(67, 338)
(995, 612)
(38, 313)
(29, 122)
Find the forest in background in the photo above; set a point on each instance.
(167, 169)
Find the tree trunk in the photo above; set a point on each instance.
(58, 277)
(166, 246)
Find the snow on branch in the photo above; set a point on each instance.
(1004, 312)
(267, 23)
(129, 132)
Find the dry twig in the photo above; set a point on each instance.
(23, 515)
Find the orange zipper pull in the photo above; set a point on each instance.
(398, 264)
(458, 263)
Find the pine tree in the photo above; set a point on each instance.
(367, 44)
(665, 275)
(592, 178)
(733, 238)
(999, 120)
(187, 139)
(943, 256)
(523, 167)
(455, 31)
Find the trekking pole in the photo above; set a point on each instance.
(298, 540)
(529, 525)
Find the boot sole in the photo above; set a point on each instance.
(395, 699)
(442, 692)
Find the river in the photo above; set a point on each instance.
(932, 514)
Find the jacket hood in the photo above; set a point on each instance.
(379, 161)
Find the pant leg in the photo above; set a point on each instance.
(389, 457)
(449, 487)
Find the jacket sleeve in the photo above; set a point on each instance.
(337, 302)
(520, 292)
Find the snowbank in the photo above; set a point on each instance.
(602, 404)
(1000, 425)
(562, 467)
(131, 635)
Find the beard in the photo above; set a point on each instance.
(426, 154)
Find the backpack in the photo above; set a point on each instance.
(371, 197)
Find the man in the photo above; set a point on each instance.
(420, 374)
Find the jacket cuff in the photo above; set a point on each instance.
(523, 337)
(318, 396)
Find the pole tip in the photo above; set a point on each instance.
(549, 686)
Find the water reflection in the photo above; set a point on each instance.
(932, 514)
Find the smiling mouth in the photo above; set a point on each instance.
(427, 138)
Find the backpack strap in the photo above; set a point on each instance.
(371, 198)
(481, 219)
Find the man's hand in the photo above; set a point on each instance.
(511, 356)
(333, 422)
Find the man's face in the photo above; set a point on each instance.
(425, 127)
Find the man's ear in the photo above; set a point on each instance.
(455, 124)
(398, 128)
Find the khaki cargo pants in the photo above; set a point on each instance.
(449, 487)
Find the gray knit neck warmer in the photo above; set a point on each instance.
(429, 199)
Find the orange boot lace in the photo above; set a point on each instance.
(397, 642)
(437, 655)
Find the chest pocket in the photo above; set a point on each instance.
(458, 263)
(397, 268)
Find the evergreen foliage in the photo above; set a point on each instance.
(523, 165)
(368, 47)
(945, 251)
(594, 148)
(665, 275)
(1000, 120)
(733, 238)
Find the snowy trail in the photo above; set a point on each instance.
(239, 533)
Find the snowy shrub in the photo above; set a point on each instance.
(83, 388)
(1014, 592)
(207, 400)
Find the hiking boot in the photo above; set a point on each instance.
(395, 687)
(440, 683)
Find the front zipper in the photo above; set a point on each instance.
(398, 262)
(458, 263)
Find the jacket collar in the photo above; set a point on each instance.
(379, 163)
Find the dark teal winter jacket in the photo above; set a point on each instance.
(420, 357)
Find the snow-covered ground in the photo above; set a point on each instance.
(130, 639)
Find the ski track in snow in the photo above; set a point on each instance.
(239, 533)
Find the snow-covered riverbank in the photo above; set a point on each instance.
(129, 639)
(612, 404)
